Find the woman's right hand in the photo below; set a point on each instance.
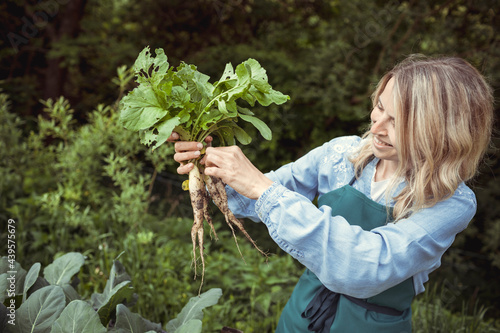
(185, 151)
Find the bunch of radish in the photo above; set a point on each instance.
(183, 100)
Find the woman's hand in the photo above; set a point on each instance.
(226, 163)
(236, 170)
(185, 151)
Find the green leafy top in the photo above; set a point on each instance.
(183, 99)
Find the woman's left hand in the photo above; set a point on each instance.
(236, 170)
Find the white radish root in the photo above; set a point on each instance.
(200, 204)
(218, 193)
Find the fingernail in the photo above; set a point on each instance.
(199, 145)
(197, 153)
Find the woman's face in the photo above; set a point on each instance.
(382, 128)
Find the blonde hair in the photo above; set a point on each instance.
(444, 118)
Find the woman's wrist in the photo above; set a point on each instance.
(261, 186)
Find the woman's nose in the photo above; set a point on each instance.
(378, 127)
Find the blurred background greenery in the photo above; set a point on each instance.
(74, 180)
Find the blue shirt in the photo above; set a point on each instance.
(344, 257)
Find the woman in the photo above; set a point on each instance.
(389, 203)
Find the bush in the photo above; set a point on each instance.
(431, 313)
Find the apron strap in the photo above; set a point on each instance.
(322, 309)
(374, 307)
(359, 173)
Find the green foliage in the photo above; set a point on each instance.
(431, 314)
(73, 171)
(40, 310)
(259, 290)
(79, 316)
(54, 306)
(11, 153)
(184, 100)
(192, 314)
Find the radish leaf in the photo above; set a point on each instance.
(264, 130)
(183, 99)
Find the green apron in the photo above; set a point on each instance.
(387, 312)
